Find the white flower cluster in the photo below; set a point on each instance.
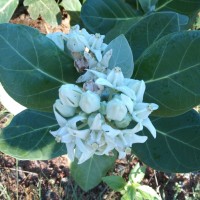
(107, 112)
(88, 50)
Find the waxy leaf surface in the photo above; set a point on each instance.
(187, 7)
(89, 174)
(177, 145)
(32, 67)
(121, 55)
(100, 16)
(171, 70)
(27, 137)
(141, 32)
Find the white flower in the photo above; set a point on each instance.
(114, 80)
(126, 139)
(97, 45)
(95, 65)
(64, 110)
(69, 134)
(116, 77)
(76, 42)
(89, 102)
(137, 86)
(70, 95)
(140, 114)
(96, 142)
(116, 110)
(57, 38)
(124, 122)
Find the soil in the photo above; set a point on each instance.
(51, 180)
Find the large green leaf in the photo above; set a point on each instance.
(148, 5)
(89, 174)
(73, 8)
(141, 32)
(171, 69)
(28, 138)
(100, 16)
(48, 9)
(7, 8)
(32, 67)
(187, 7)
(121, 55)
(177, 145)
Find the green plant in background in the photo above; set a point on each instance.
(133, 188)
(48, 9)
(166, 57)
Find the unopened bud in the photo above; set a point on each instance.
(89, 102)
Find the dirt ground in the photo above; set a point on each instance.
(51, 180)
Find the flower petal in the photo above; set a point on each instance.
(102, 81)
(127, 102)
(97, 122)
(97, 74)
(127, 91)
(147, 123)
(64, 110)
(140, 92)
(70, 151)
(61, 120)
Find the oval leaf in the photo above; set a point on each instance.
(171, 69)
(176, 148)
(28, 138)
(48, 9)
(187, 7)
(89, 174)
(141, 32)
(7, 8)
(32, 67)
(121, 55)
(100, 16)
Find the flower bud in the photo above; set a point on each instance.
(116, 110)
(124, 122)
(77, 43)
(89, 102)
(70, 95)
(116, 76)
(64, 110)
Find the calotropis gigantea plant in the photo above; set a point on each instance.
(57, 76)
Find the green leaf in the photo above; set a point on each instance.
(101, 16)
(89, 174)
(121, 55)
(48, 9)
(116, 183)
(148, 5)
(177, 145)
(130, 194)
(142, 32)
(28, 138)
(32, 67)
(73, 8)
(187, 7)
(7, 8)
(148, 193)
(171, 70)
(137, 173)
